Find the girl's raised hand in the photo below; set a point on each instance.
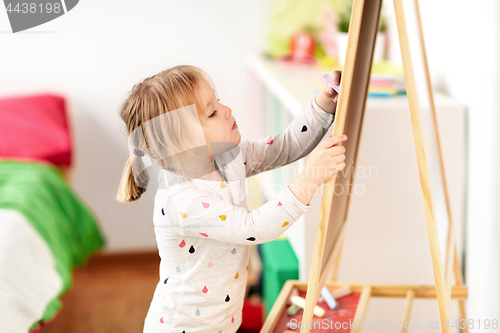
(328, 91)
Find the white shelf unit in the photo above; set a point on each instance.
(386, 237)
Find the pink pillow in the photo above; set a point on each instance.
(35, 128)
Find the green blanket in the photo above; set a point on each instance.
(68, 227)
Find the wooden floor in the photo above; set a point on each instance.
(110, 294)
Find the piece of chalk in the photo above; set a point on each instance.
(329, 298)
(328, 78)
(341, 292)
(293, 309)
(294, 292)
(318, 310)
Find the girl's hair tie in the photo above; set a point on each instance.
(138, 152)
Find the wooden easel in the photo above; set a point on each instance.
(331, 228)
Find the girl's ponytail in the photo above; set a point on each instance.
(131, 188)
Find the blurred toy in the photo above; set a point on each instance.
(302, 47)
(253, 316)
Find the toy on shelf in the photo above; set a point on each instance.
(302, 47)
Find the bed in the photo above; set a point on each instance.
(45, 228)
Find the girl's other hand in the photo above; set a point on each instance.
(323, 163)
(326, 160)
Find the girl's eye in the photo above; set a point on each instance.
(215, 111)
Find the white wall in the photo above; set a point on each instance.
(463, 48)
(95, 54)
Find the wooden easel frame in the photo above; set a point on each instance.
(326, 257)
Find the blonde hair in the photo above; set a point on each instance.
(159, 94)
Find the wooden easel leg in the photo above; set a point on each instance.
(314, 277)
(364, 21)
(335, 254)
(336, 261)
(360, 314)
(450, 239)
(422, 166)
(278, 307)
(410, 295)
(452, 261)
(459, 280)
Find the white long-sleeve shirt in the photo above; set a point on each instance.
(203, 230)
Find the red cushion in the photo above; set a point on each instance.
(35, 128)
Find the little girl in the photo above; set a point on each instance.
(202, 226)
